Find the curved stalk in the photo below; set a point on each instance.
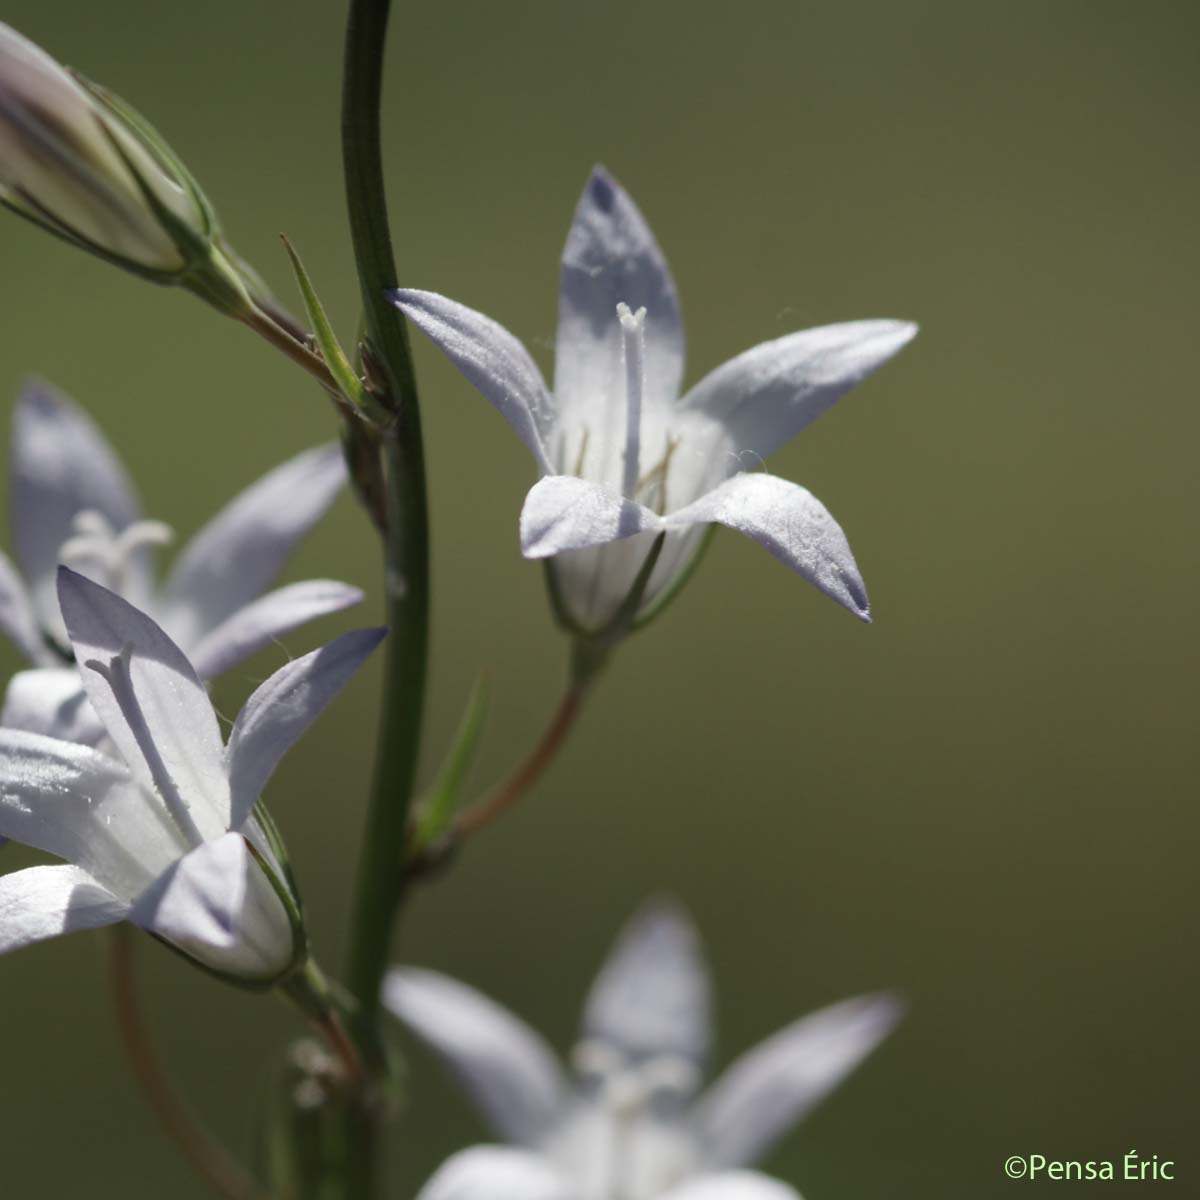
(209, 1158)
(527, 772)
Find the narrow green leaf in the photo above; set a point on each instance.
(441, 802)
(331, 351)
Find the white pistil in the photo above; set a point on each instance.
(95, 547)
(116, 674)
(633, 345)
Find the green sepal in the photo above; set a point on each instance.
(283, 889)
(156, 144)
(682, 578)
(591, 647)
(207, 272)
(441, 802)
(343, 373)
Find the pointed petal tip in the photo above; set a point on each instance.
(602, 189)
(38, 397)
(667, 911)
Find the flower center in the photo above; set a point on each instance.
(637, 1153)
(98, 551)
(117, 675)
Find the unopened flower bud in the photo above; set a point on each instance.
(79, 162)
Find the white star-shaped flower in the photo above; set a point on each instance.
(71, 502)
(629, 1126)
(160, 830)
(623, 457)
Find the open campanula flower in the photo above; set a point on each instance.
(629, 1126)
(81, 163)
(623, 458)
(71, 502)
(162, 831)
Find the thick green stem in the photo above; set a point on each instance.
(406, 553)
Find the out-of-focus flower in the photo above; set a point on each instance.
(623, 458)
(162, 831)
(629, 1126)
(83, 164)
(71, 501)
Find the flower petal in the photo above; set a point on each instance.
(251, 628)
(61, 466)
(82, 806)
(733, 1185)
(491, 359)
(244, 547)
(792, 524)
(774, 1086)
(166, 731)
(216, 905)
(496, 1173)
(564, 512)
(51, 701)
(651, 997)
(43, 902)
(611, 257)
(18, 621)
(767, 395)
(278, 713)
(504, 1066)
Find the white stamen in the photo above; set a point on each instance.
(633, 345)
(105, 554)
(594, 1057)
(117, 675)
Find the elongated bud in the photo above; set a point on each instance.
(81, 163)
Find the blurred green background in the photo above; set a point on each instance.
(986, 800)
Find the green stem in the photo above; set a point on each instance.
(406, 548)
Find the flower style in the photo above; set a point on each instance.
(162, 831)
(624, 459)
(628, 1128)
(71, 502)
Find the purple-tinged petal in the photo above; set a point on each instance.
(267, 618)
(503, 1065)
(151, 702)
(792, 524)
(610, 258)
(61, 466)
(18, 621)
(775, 1085)
(492, 361)
(280, 710)
(498, 1173)
(51, 701)
(244, 547)
(767, 395)
(651, 997)
(82, 806)
(44, 902)
(216, 905)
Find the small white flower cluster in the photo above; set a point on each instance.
(111, 756)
